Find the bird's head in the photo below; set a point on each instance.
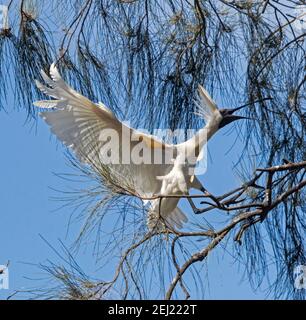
(228, 116)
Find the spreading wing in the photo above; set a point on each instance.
(91, 130)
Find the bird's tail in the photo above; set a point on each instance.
(176, 218)
(173, 220)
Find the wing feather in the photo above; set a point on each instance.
(79, 124)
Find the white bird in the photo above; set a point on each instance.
(84, 126)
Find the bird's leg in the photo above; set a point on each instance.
(212, 197)
(193, 206)
(196, 184)
(206, 193)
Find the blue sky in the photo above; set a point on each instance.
(29, 159)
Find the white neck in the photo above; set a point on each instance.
(194, 145)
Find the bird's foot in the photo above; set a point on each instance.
(198, 211)
(212, 197)
(194, 208)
